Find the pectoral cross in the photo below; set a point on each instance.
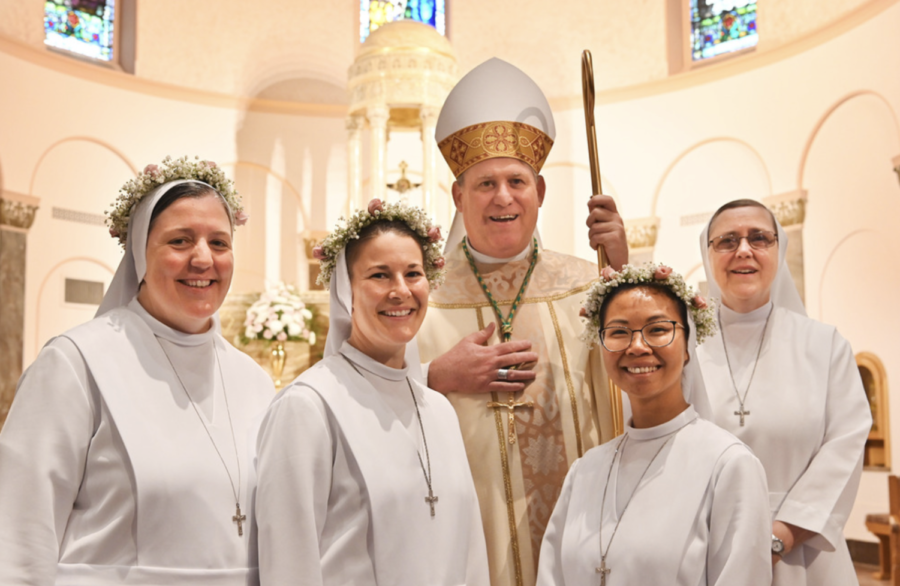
(741, 414)
(511, 406)
(240, 519)
(603, 571)
(431, 499)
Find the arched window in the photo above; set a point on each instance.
(374, 13)
(874, 378)
(101, 31)
(722, 26)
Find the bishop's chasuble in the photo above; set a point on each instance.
(519, 473)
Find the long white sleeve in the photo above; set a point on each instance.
(550, 566)
(43, 448)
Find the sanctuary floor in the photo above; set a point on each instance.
(864, 572)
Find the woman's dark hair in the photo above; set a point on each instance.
(743, 203)
(377, 229)
(679, 303)
(182, 190)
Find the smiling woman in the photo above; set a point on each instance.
(701, 490)
(363, 474)
(130, 424)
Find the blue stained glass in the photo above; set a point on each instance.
(84, 27)
(374, 13)
(722, 26)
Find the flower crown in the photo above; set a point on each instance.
(702, 312)
(327, 252)
(171, 170)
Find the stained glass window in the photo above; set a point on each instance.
(722, 26)
(84, 27)
(374, 13)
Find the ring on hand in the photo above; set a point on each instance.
(503, 374)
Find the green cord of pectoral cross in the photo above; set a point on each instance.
(506, 323)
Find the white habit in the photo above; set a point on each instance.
(342, 494)
(698, 516)
(107, 475)
(808, 423)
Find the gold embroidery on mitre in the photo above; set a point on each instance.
(490, 140)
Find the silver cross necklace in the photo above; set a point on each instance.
(238, 517)
(743, 412)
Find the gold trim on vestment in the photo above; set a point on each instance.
(491, 140)
(526, 300)
(507, 479)
(571, 387)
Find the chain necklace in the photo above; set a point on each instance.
(603, 570)
(743, 412)
(506, 327)
(431, 499)
(238, 517)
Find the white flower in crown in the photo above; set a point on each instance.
(171, 170)
(702, 311)
(429, 237)
(279, 315)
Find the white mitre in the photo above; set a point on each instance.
(495, 111)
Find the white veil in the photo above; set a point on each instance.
(783, 292)
(340, 318)
(133, 266)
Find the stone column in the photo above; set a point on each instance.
(790, 210)
(378, 117)
(641, 236)
(354, 162)
(429, 117)
(16, 216)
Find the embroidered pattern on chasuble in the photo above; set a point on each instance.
(540, 431)
(489, 140)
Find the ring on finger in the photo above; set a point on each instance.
(503, 374)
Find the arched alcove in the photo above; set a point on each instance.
(874, 377)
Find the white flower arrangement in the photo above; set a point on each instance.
(279, 316)
(171, 170)
(429, 237)
(702, 311)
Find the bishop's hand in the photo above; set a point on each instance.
(472, 367)
(606, 228)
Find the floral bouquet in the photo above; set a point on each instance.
(279, 316)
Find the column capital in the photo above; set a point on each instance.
(789, 208)
(378, 116)
(641, 232)
(429, 115)
(354, 123)
(17, 210)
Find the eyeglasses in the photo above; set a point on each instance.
(657, 334)
(730, 242)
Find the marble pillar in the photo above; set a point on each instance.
(16, 216)
(354, 162)
(790, 210)
(641, 237)
(378, 119)
(429, 116)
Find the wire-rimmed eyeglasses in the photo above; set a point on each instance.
(655, 334)
(729, 242)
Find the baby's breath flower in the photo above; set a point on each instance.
(279, 314)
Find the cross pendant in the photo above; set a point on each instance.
(603, 571)
(239, 518)
(431, 499)
(511, 407)
(741, 414)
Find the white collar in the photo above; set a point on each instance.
(663, 429)
(730, 316)
(161, 330)
(369, 364)
(485, 259)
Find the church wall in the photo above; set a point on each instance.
(823, 121)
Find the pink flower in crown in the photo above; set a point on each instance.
(608, 273)
(113, 232)
(152, 170)
(583, 312)
(439, 262)
(699, 302)
(318, 253)
(375, 206)
(662, 273)
(241, 218)
(210, 164)
(434, 233)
